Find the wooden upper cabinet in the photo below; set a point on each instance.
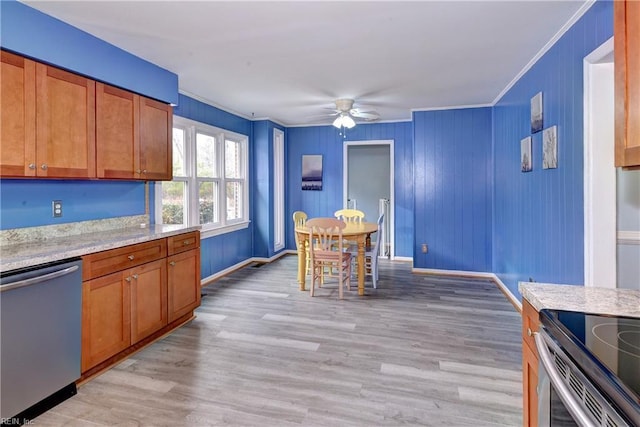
(65, 128)
(17, 116)
(156, 133)
(627, 82)
(117, 132)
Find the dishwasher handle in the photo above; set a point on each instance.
(38, 279)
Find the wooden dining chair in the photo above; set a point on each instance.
(349, 215)
(323, 234)
(370, 254)
(299, 220)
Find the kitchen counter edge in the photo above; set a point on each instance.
(22, 255)
(617, 302)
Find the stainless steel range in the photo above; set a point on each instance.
(589, 369)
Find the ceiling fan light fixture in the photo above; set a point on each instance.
(344, 120)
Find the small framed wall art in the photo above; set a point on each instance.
(312, 172)
(536, 113)
(550, 148)
(526, 164)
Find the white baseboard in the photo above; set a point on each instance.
(629, 237)
(477, 275)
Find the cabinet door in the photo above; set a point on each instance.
(65, 129)
(148, 299)
(106, 328)
(627, 82)
(117, 135)
(156, 122)
(530, 387)
(17, 116)
(183, 283)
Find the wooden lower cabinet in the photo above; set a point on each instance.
(530, 387)
(530, 325)
(134, 292)
(148, 299)
(106, 314)
(183, 283)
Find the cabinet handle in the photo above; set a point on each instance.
(130, 257)
(172, 263)
(128, 279)
(32, 166)
(529, 331)
(135, 276)
(44, 166)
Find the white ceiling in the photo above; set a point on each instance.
(289, 60)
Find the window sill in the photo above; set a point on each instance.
(211, 232)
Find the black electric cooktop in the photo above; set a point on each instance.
(606, 348)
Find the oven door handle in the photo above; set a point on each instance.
(571, 403)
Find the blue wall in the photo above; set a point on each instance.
(34, 34)
(327, 141)
(27, 203)
(538, 226)
(453, 180)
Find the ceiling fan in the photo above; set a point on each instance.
(347, 115)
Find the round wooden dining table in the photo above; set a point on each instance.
(358, 232)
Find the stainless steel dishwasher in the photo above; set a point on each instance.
(40, 338)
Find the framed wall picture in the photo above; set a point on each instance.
(526, 163)
(550, 148)
(312, 172)
(536, 113)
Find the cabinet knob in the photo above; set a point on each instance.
(144, 171)
(529, 331)
(172, 263)
(44, 167)
(135, 276)
(128, 279)
(130, 257)
(32, 166)
(185, 243)
(138, 171)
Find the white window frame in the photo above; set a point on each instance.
(192, 214)
(278, 190)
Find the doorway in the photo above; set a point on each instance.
(368, 184)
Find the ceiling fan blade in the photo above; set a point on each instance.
(367, 115)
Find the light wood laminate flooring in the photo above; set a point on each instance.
(419, 350)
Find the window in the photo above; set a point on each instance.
(278, 189)
(210, 179)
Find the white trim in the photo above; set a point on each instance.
(629, 237)
(403, 258)
(599, 174)
(451, 107)
(392, 198)
(204, 234)
(474, 275)
(576, 16)
(278, 190)
(357, 123)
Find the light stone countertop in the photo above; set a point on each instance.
(33, 253)
(618, 302)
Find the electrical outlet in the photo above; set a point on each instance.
(56, 208)
(425, 248)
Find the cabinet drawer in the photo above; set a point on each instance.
(183, 242)
(530, 324)
(101, 263)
